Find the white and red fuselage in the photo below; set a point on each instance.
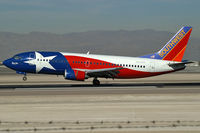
(75, 66)
(132, 67)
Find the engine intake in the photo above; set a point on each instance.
(75, 75)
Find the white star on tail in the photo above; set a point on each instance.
(40, 62)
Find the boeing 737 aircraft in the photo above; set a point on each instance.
(74, 66)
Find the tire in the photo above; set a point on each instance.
(96, 82)
(24, 78)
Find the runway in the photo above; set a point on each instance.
(103, 90)
(162, 104)
(178, 83)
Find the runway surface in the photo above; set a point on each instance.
(178, 83)
(162, 104)
(105, 90)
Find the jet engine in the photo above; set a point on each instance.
(75, 75)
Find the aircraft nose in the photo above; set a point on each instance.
(7, 62)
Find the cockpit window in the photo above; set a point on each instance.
(17, 57)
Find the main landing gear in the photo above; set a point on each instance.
(96, 82)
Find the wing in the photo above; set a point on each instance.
(106, 73)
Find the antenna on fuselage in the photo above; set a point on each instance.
(88, 52)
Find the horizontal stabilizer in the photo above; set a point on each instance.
(178, 64)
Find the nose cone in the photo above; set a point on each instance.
(7, 63)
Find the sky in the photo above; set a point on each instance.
(66, 16)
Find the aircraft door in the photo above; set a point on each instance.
(31, 57)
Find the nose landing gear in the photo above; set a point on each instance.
(96, 82)
(23, 73)
(24, 78)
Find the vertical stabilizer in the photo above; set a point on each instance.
(175, 48)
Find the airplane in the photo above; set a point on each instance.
(76, 66)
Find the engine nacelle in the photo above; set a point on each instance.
(75, 75)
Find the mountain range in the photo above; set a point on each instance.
(121, 42)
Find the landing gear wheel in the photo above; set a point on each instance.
(96, 82)
(24, 78)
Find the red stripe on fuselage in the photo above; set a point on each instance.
(88, 63)
(129, 73)
(77, 62)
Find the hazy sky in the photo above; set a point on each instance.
(64, 16)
